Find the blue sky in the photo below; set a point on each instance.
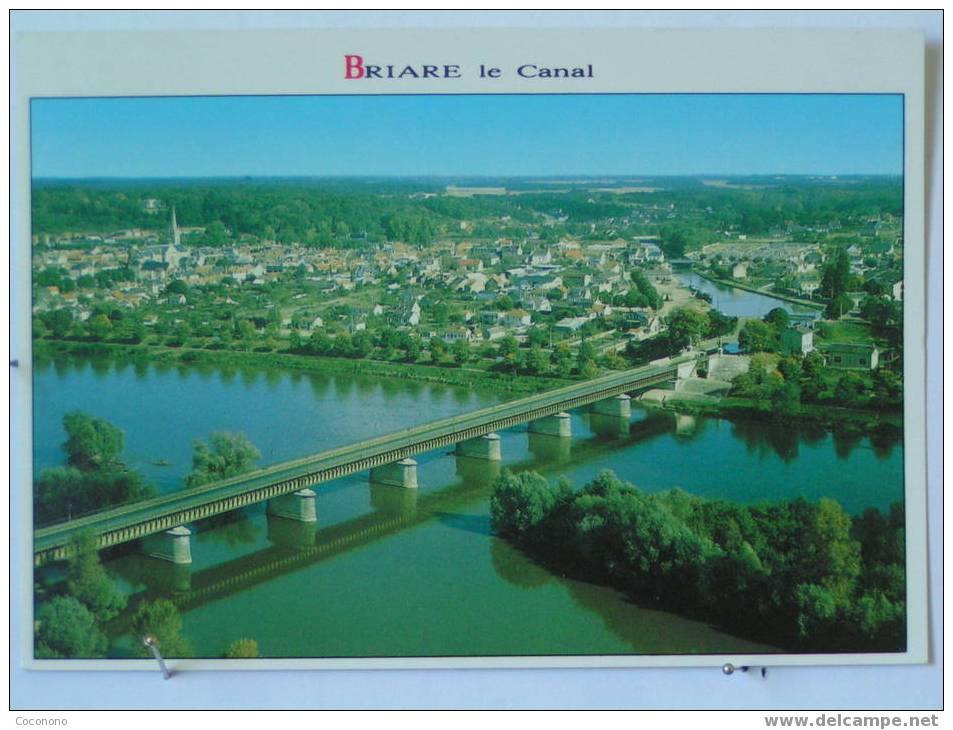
(468, 135)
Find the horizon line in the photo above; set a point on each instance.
(408, 176)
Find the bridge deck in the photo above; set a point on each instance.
(129, 522)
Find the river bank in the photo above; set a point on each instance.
(330, 365)
(829, 417)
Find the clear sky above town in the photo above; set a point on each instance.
(468, 135)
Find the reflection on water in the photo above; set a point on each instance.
(550, 449)
(478, 524)
(476, 473)
(392, 500)
(291, 534)
(513, 567)
(447, 527)
(612, 428)
(418, 571)
(762, 438)
(155, 577)
(231, 529)
(651, 631)
(688, 427)
(845, 441)
(784, 439)
(883, 440)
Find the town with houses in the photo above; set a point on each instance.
(464, 296)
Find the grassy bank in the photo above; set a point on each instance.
(844, 331)
(284, 361)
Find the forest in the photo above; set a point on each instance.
(351, 212)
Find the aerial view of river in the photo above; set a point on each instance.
(394, 572)
(736, 302)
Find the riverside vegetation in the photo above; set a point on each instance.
(801, 576)
(73, 615)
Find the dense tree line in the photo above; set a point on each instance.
(309, 214)
(806, 379)
(765, 204)
(581, 207)
(350, 212)
(642, 293)
(102, 279)
(798, 575)
(886, 318)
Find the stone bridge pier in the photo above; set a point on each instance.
(559, 425)
(620, 406)
(550, 438)
(401, 473)
(300, 506)
(174, 546)
(486, 447)
(611, 417)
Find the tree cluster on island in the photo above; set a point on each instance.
(801, 576)
(94, 477)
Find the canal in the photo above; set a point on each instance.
(390, 572)
(735, 302)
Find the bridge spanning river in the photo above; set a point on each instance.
(286, 485)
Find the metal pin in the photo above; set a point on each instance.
(153, 643)
(728, 669)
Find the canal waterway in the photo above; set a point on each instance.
(392, 572)
(735, 302)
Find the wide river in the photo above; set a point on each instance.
(391, 572)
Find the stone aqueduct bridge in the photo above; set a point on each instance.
(161, 519)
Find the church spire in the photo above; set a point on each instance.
(176, 239)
